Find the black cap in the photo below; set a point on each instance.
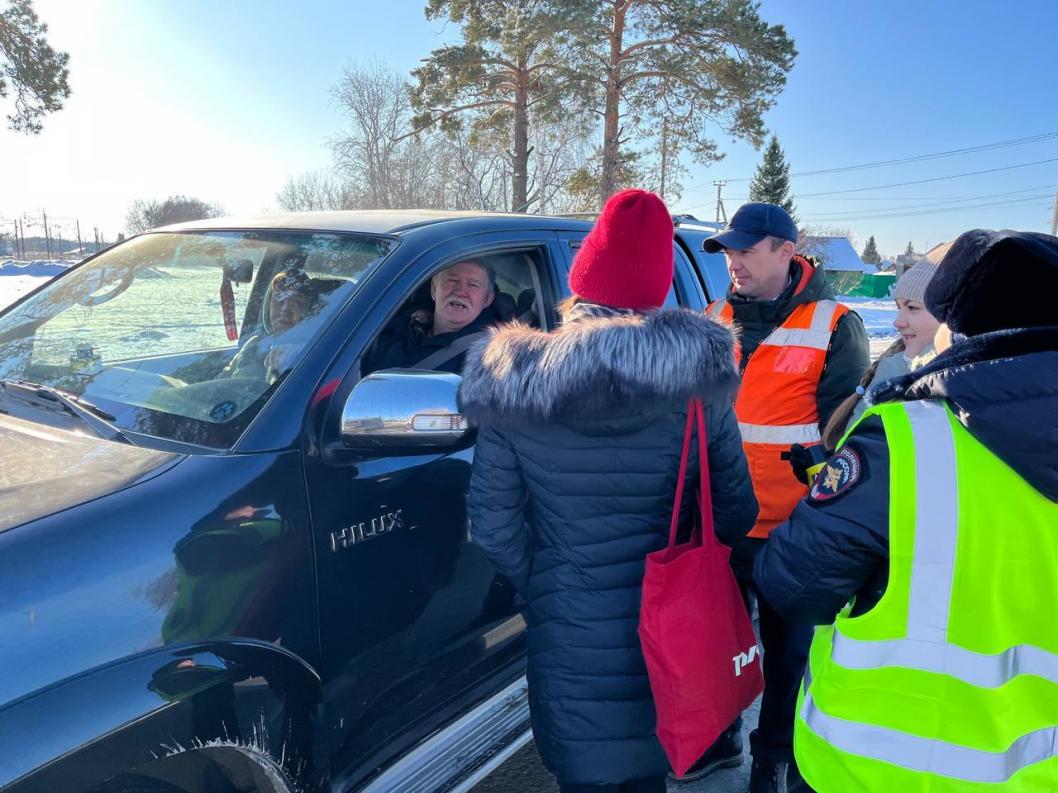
(749, 225)
(996, 280)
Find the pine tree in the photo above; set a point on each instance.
(36, 73)
(910, 249)
(771, 182)
(870, 252)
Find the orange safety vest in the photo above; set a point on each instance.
(776, 405)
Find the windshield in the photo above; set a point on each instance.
(184, 336)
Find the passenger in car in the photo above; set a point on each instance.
(439, 339)
(265, 355)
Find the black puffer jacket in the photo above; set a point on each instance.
(1002, 386)
(573, 484)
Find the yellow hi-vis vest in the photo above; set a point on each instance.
(950, 683)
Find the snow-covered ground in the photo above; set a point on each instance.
(17, 278)
(877, 314)
(13, 287)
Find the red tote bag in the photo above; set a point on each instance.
(698, 641)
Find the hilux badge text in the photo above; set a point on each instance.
(361, 532)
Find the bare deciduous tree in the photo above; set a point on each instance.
(315, 191)
(380, 162)
(146, 215)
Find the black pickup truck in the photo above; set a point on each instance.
(228, 560)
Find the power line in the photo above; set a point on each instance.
(1018, 202)
(928, 205)
(1003, 144)
(924, 181)
(919, 158)
(915, 198)
(910, 198)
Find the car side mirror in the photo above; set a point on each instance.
(404, 410)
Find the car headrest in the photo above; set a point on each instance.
(504, 307)
(526, 301)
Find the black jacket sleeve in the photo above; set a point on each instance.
(830, 551)
(734, 505)
(496, 506)
(398, 346)
(847, 359)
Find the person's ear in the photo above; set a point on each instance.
(788, 249)
(491, 296)
(942, 338)
(433, 289)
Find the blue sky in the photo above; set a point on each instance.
(226, 99)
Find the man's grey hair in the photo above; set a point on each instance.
(490, 273)
(776, 242)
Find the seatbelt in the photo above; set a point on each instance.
(445, 354)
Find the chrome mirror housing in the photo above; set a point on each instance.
(404, 410)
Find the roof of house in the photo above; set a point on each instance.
(836, 253)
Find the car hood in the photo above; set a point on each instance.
(44, 470)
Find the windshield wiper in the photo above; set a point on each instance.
(97, 419)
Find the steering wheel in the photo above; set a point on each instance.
(95, 299)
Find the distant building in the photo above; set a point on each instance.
(836, 254)
(847, 273)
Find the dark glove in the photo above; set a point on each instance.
(805, 461)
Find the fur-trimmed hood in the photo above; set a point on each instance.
(602, 362)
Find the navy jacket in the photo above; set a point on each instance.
(405, 342)
(1002, 386)
(573, 485)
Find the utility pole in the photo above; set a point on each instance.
(47, 236)
(80, 245)
(720, 211)
(1054, 217)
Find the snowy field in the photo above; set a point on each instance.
(877, 315)
(17, 278)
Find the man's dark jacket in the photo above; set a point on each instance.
(406, 342)
(573, 485)
(1002, 386)
(849, 353)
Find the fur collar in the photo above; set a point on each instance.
(600, 362)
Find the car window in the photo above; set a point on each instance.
(517, 297)
(185, 335)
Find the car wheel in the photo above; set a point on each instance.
(212, 769)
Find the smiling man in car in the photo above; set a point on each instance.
(438, 340)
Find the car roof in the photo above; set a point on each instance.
(378, 221)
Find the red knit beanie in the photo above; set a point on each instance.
(626, 259)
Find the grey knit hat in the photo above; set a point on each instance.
(912, 284)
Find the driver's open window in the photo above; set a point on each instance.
(520, 294)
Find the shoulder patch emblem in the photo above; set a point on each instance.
(839, 475)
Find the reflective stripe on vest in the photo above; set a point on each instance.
(782, 434)
(926, 646)
(777, 403)
(926, 755)
(816, 335)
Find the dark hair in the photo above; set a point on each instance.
(778, 242)
(839, 419)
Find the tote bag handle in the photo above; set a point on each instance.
(704, 527)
